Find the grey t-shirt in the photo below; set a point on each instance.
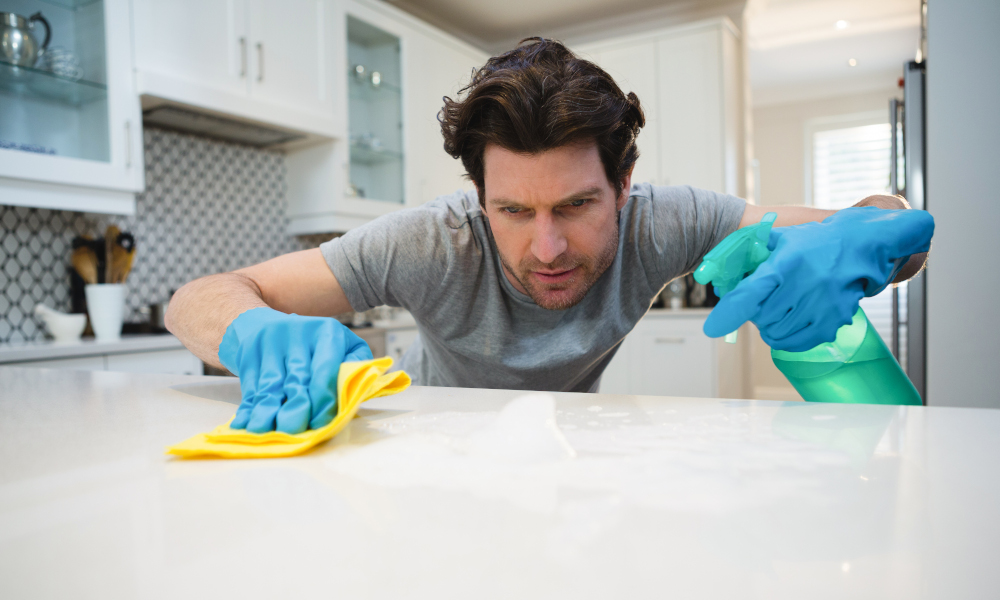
(439, 261)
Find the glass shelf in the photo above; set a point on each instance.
(70, 4)
(375, 113)
(364, 90)
(28, 82)
(369, 156)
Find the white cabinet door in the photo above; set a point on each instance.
(432, 68)
(672, 361)
(200, 43)
(178, 362)
(289, 50)
(665, 356)
(633, 65)
(691, 108)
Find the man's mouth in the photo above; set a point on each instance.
(551, 277)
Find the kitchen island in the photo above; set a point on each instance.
(449, 493)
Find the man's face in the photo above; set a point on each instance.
(554, 217)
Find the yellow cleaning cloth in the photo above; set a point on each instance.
(357, 382)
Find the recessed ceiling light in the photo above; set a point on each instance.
(852, 62)
(842, 24)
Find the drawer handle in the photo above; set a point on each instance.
(669, 340)
(243, 57)
(260, 61)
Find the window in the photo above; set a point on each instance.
(850, 159)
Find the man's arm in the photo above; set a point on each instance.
(796, 215)
(300, 282)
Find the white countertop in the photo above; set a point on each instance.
(666, 498)
(47, 349)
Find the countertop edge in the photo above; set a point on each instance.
(13, 354)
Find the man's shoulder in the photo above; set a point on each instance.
(647, 192)
(455, 210)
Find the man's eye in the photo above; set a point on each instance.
(578, 202)
(511, 210)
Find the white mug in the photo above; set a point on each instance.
(106, 307)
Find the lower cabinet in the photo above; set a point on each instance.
(667, 354)
(176, 362)
(391, 342)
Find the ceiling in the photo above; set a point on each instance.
(498, 24)
(797, 50)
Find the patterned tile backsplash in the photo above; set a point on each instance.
(209, 207)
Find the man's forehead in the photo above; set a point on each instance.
(552, 175)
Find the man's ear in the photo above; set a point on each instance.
(626, 189)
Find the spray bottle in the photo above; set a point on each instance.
(856, 367)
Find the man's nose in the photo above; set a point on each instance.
(548, 242)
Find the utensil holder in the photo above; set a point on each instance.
(106, 307)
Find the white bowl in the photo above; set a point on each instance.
(64, 328)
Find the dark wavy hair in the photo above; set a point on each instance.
(537, 97)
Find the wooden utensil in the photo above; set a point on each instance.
(110, 237)
(123, 253)
(85, 263)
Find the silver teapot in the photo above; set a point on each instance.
(17, 45)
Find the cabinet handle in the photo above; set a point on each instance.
(243, 57)
(669, 340)
(128, 144)
(260, 61)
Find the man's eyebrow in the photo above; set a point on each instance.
(503, 202)
(581, 195)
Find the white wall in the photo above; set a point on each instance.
(779, 145)
(963, 123)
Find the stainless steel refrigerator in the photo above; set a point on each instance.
(909, 309)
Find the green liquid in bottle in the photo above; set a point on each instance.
(857, 367)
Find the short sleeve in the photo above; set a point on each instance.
(676, 226)
(400, 259)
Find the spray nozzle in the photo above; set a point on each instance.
(736, 257)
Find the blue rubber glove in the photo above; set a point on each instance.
(288, 366)
(818, 272)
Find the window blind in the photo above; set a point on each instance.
(849, 164)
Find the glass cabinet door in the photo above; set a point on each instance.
(53, 78)
(374, 113)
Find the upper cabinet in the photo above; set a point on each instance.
(395, 71)
(374, 113)
(688, 80)
(70, 128)
(260, 60)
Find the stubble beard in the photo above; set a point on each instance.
(581, 282)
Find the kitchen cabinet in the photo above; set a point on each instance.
(374, 113)
(392, 342)
(667, 354)
(689, 83)
(70, 127)
(323, 180)
(259, 60)
(633, 66)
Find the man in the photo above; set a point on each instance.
(532, 281)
